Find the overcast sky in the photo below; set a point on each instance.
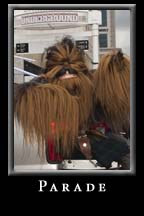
(122, 21)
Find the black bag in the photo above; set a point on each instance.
(104, 149)
(109, 149)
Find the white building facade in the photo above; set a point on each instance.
(36, 30)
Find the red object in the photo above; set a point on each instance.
(99, 125)
(52, 155)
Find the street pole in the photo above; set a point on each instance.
(95, 43)
(94, 20)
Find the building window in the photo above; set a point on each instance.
(104, 18)
(103, 30)
(103, 40)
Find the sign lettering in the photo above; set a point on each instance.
(44, 18)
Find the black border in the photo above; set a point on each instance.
(72, 177)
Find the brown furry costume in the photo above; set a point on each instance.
(112, 93)
(47, 99)
(53, 108)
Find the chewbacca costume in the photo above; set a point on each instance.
(112, 91)
(57, 110)
(112, 94)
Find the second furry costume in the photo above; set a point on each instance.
(112, 91)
